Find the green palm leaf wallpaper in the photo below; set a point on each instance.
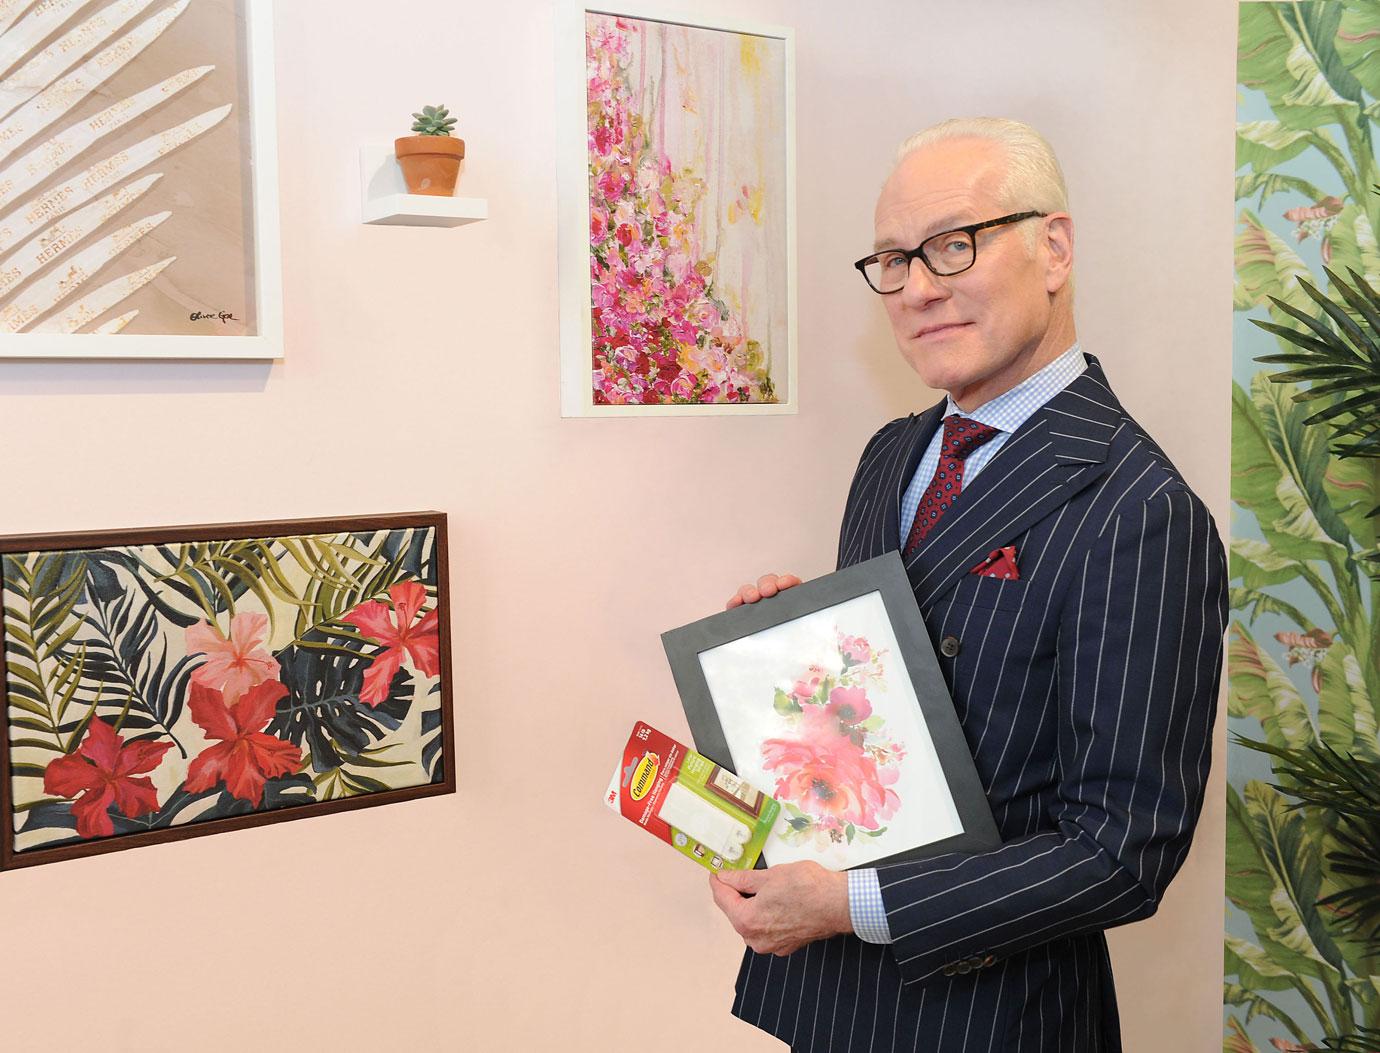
(1302, 954)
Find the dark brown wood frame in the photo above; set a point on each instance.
(9, 859)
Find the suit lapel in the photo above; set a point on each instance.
(1058, 451)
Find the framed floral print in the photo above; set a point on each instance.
(829, 698)
(677, 203)
(138, 180)
(170, 682)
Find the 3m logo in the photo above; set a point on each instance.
(644, 775)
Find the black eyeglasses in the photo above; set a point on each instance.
(951, 252)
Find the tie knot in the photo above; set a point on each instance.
(962, 436)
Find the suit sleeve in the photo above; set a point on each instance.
(1139, 659)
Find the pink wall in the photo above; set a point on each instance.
(422, 372)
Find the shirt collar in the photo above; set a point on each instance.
(1009, 410)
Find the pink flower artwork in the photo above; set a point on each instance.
(665, 327)
(855, 649)
(106, 770)
(401, 634)
(835, 768)
(245, 758)
(235, 663)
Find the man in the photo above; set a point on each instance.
(1085, 681)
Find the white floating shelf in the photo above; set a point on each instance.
(424, 210)
(386, 202)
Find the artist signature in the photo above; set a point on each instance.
(211, 316)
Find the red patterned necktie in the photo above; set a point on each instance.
(961, 437)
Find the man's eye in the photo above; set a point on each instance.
(893, 260)
(956, 245)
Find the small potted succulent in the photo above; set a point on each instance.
(430, 159)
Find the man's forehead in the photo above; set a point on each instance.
(938, 187)
(908, 221)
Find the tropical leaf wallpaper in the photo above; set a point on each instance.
(125, 177)
(155, 685)
(1302, 954)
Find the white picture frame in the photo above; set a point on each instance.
(266, 340)
(573, 196)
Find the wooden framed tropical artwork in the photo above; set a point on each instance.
(677, 202)
(171, 682)
(138, 180)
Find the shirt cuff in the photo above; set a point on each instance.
(866, 908)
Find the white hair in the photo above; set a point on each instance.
(1033, 179)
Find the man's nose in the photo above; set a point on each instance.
(922, 286)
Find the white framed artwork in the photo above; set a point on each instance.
(831, 700)
(138, 180)
(676, 180)
(837, 715)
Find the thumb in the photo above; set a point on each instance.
(746, 882)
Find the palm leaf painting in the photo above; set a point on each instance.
(1302, 955)
(103, 104)
(161, 685)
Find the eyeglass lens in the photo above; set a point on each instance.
(946, 253)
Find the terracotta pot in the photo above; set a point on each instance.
(430, 163)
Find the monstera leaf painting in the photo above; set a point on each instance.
(136, 179)
(164, 683)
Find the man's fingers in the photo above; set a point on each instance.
(746, 882)
(746, 594)
(768, 585)
(726, 898)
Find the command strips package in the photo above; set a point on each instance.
(700, 809)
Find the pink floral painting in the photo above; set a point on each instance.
(835, 765)
(820, 711)
(688, 246)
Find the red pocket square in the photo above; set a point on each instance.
(999, 563)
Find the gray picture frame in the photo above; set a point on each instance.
(886, 576)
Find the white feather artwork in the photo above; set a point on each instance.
(84, 311)
(115, 324)
(85, 134)
(9, 11)
(44, 66)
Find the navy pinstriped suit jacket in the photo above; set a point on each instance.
(1086, 690)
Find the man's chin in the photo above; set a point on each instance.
(937, 374)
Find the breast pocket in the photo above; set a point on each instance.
(975, 590)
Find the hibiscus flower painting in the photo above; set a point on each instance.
(166, 683)
(684, 197)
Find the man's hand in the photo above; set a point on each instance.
(780, 909)
(768, 585)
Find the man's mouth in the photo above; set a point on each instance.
(939, 330)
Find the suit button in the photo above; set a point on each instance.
(964, 967)
(991, 959)
(949, 970)
(948, 646)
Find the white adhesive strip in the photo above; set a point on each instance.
(695, 817)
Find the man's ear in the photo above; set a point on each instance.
(1058, 247)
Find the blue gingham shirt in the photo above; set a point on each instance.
(1006, 412)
